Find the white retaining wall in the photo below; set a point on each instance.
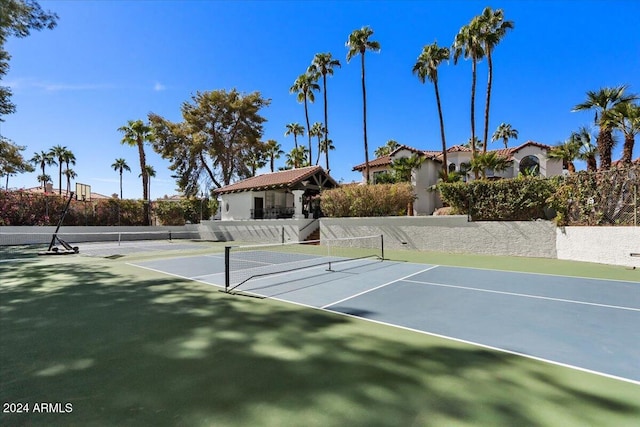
(17, 235)
(453, 234)
(262, 230)
(605, 245)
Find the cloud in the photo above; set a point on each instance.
(158, 87)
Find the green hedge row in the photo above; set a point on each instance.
(519, 199)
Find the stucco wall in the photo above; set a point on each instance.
(452, 234)
(606, 245)
(261, 231)
(236, 206)
(13, 235)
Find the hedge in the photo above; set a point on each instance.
(367, 200)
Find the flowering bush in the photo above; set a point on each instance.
(367, 200)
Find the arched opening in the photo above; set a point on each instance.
(530, 166)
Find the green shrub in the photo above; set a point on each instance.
(520, 199)
(367, 200)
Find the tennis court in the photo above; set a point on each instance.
(589, 324)
(142, 333)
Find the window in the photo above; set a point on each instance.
(530, 166)
(452, 167)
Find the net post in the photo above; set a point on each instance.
(227, 268)
(382, 247)
(170, 235)
(282, 235)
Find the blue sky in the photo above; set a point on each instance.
(112, 61)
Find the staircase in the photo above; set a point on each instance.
(315, 235)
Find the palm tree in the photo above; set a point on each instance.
(504, 132)
(588, 151)
(489, 160)
(58, 152)
(273, 151)
(359, 43)
(626, 118)
(426, 67)
(68, 158)
(318, 131)
(151, 173)
(304, 86)
(403, 166)
(43, 159)
(70, 174)
(493, 28)
(568, 152)
(469, 45)
(602, 102)
(119, 166)
(324, 64)
(296, 130)
(136, 133)
(325, 146)
(257, 158)
(44, 178)
(386, 149)
(297, 157)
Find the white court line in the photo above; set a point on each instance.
(525, 295)
(472, 343)
(174, 275)
(378, 287)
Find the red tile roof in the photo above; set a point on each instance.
(274, 180)
(437, 155)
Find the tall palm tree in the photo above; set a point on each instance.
(324, 64)
(386, 149)
(296, 130)
(325, 146)
(626, 118)
(70, 174)
(492, 28)
(119, 166)
(504, 132)
(469, 45)
(273, 151)
(136, 133)
(318, 131)
(359, 43)
(58, 152)
(43, 159)
(602, 102)
(304, 86)
(426, 67)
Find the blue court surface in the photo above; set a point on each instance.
(582, 323)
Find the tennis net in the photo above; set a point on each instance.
(243, 263)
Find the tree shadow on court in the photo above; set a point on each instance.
(127, 346)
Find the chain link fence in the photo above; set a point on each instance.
(609, 198)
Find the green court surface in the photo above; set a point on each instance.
(132, 347)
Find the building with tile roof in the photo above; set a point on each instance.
(284, 194)
(525, 157)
